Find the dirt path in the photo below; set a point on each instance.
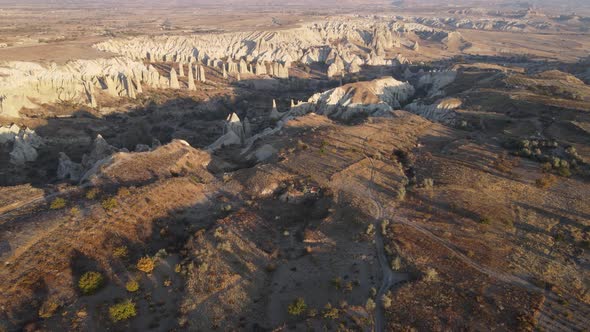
(389, 278)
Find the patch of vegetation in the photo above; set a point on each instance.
(330, 312)
(430, 275)
(92, 193)
(298, 307)
(58, 203)
(48, 309)
(109, 203)
(75, 211)
(122, 311)
(370, 305)
(123, 192)
(90, 282)
(546, 181)
(196, 179)
(121, 252)
(387, 300)
(555, 158)
(146, 264)
(485, 221)
(132, 286)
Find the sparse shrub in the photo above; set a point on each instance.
(92, 193)
(546, 181)
(348, 286)
(311, 313)
(123, 192)
(75, 211)
(132, 286)
(298, 307)
(48, 309)
(109, 203)
(330, 312)
(370, 230)
(546, 167)
(370, 305)
(122, 311)
(485, 221)
(58, 203)
(90, 282)
(224, 246)
(337, 282)
(386, 300)
(396, 263)
(430, 275)
(401, 193)
(121, 252)
(384, 225)
(564, 171)
(196, 179)
(428, 183)
(146, 264)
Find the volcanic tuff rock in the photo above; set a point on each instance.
(344, 45)
(25, 148)
(442, 111)
(25, 84)
(371, 98)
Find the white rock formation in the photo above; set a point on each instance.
(274, 113)
(67, 169)
(370, 98)
(174, 84)
(191, 79)
(25, 145)
(25, 84)
(8, 133)
(442, 111)
(436, 81)
(343, 44)
(234, 133)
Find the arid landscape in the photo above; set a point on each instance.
(359, 165)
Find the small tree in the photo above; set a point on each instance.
(90, 282)
(122, 311)
(298, 307)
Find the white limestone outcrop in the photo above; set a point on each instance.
(442, 111)
(25, 84)
(369, 98)
(344, 44)
(25, 145)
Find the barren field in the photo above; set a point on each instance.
(294, 167)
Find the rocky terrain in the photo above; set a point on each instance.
(346, 172)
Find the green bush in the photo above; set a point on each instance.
(122, 311)
(58, 203)
(92, 193)
(146, 264)
(132, 286)
(121, 252)
(90, 282)
(109, 203)
(298, 307)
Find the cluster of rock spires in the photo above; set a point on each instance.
(25, 84)
(344, 45)
(25, 143)
(377, 98)
(99, 155)
(517, 25)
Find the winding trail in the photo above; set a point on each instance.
(388, 277)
